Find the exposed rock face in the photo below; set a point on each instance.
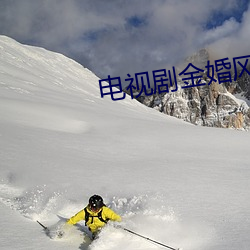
(211, 105)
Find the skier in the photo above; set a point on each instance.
(95, 214)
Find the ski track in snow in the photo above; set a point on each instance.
(145, 214)
(43, 117)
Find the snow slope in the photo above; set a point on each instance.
(176, 183)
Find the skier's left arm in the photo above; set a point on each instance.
(111, 215)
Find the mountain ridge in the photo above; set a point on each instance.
(214, 104)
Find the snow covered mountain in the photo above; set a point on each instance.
(182, 185)
(223, 105)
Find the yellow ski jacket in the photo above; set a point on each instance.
(94, 223)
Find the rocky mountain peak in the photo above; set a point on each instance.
(214, 104)
(199, 58)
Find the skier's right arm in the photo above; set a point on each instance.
(77, 217)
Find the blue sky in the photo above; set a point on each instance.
(117, 37)
(218, 17)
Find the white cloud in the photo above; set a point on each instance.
(98, 34)
(236, 42)
(228, 28)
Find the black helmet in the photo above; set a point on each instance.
(95, 202)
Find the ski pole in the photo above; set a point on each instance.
(146, 238)
(45, 228)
